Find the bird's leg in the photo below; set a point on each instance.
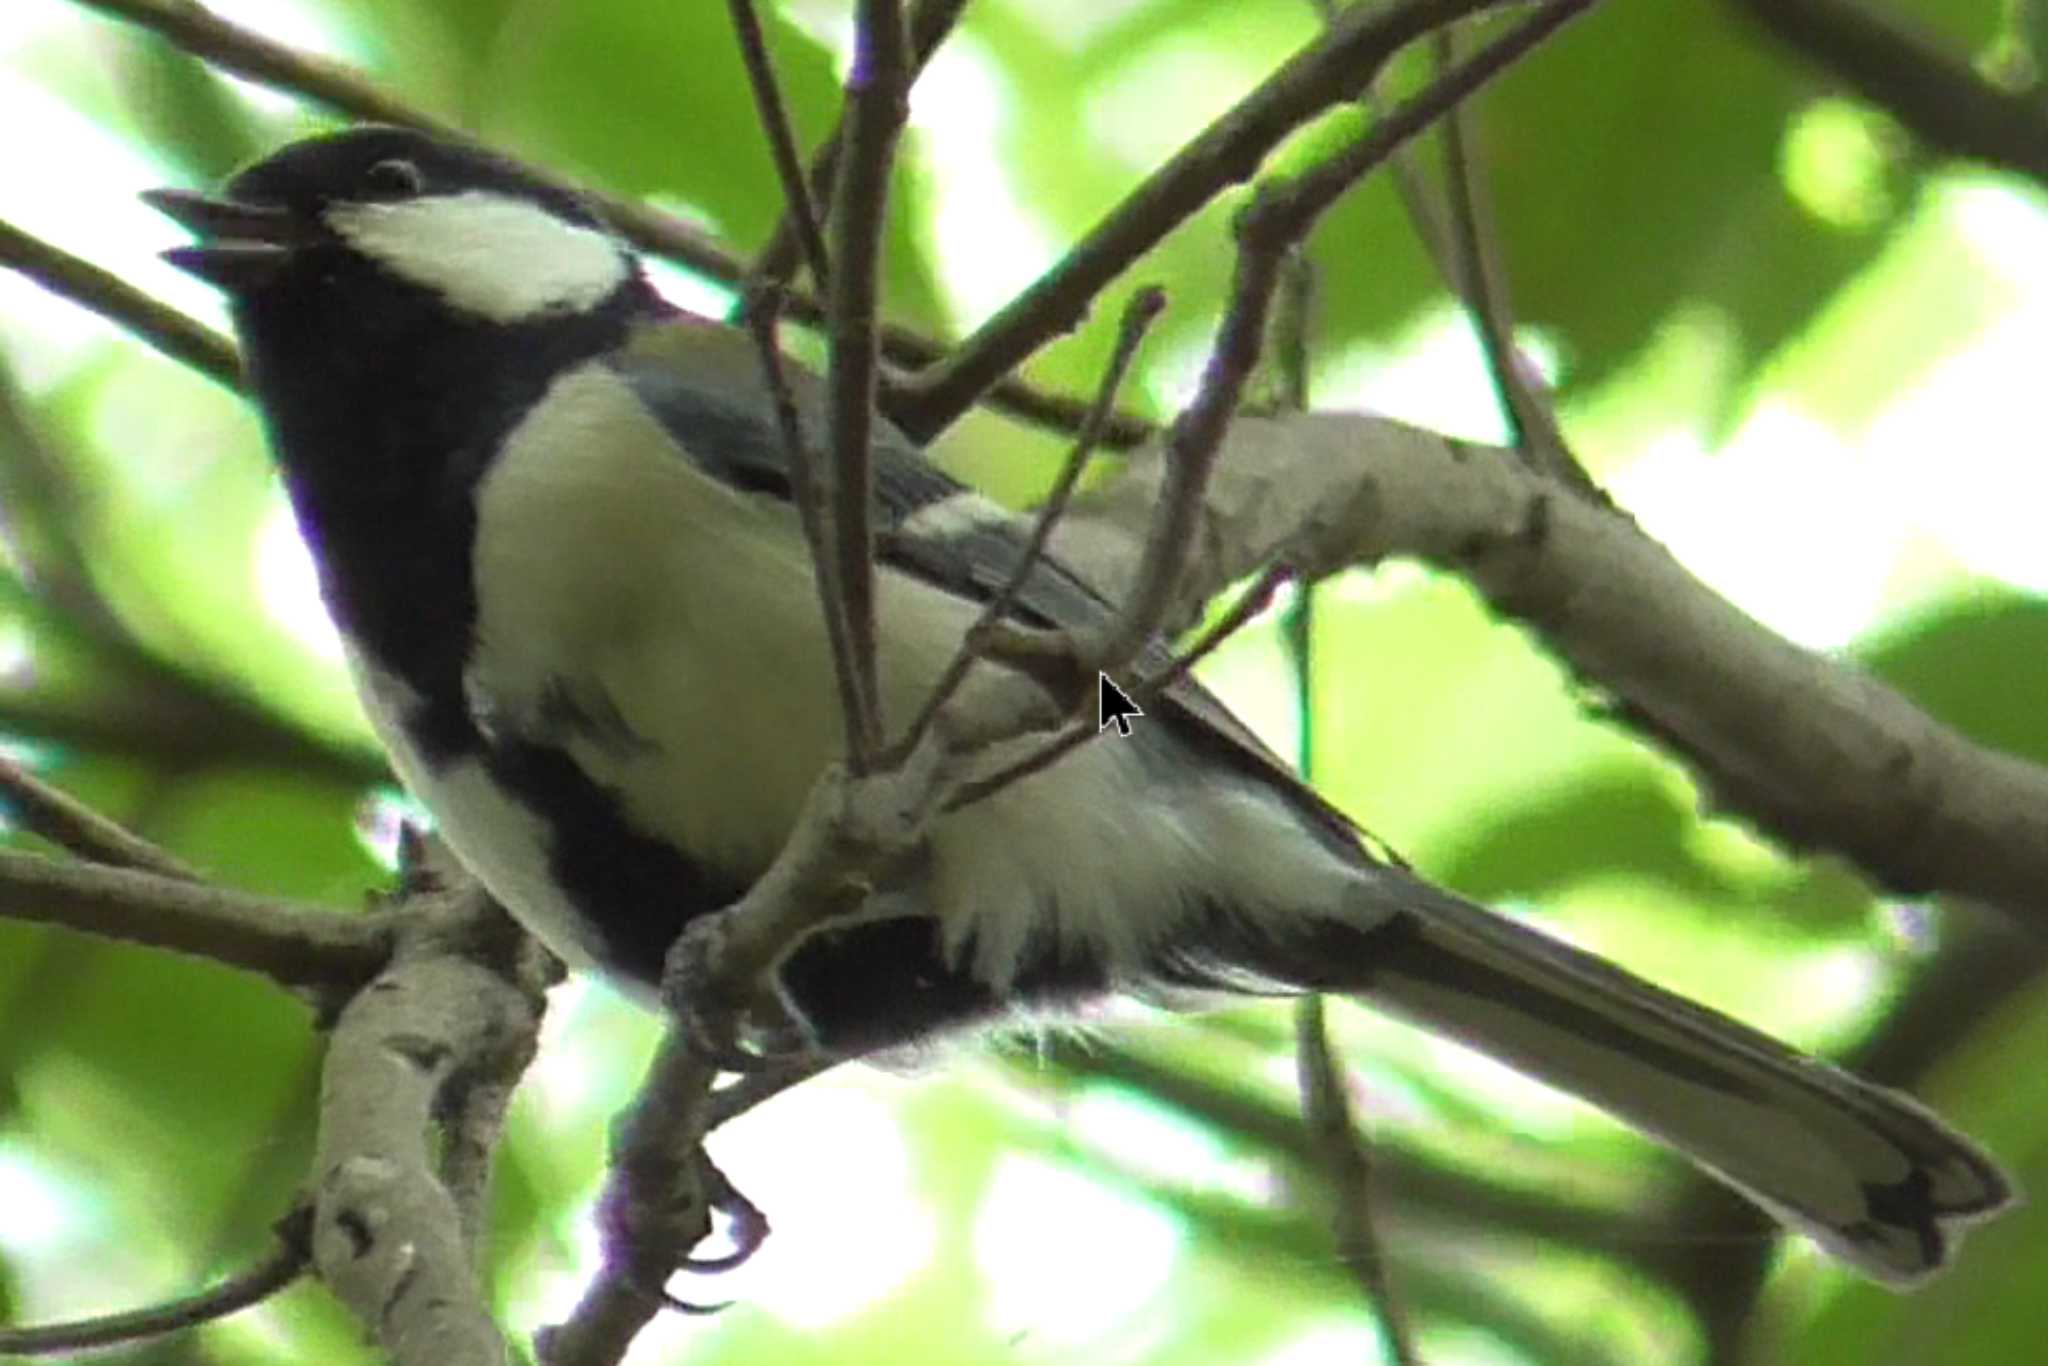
(720, 973)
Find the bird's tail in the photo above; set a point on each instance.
(1865, 1172)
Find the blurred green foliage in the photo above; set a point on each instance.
(1148, 1198)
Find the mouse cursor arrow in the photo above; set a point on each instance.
(1113, 707)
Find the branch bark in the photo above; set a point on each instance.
(294, 945)
(107, 294)
(1808, 748)
(389, 1236)
(69, 823)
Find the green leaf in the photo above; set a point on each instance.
(1964, 660)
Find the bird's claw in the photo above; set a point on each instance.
(713, 1009)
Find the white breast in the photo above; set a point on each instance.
(495, 836)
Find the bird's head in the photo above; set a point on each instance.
(402, 299)
(392, 222)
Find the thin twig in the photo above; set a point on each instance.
(1333, 68)
(1412, 186)
(296, 945)
(1345, 1155)
(1193, 442)
(1312, 192)
(278, 1268)
(1196, 436)
(1472, 267)
(930, 22)
(763, 312)
(1139, 313)
(1248, 605)
(798, 209)
(70, 824)
(252, 56)
(1038, 760)
(877, 89)
(1254, 600)
(1293, 324)
(1327, 1112)
(1280, 215)
(1479, 278)
(114, 299)
(1192, 446)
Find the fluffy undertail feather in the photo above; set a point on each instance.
(1865, 1172)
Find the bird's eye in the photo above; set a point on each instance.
(394, 178)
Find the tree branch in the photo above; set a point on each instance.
(1329, 70)
(653, 1211)
(284, 1264)
(70, 824)
(1939, 97)
(808, 487)
(1279, 216)
(877, 95)
(295, 945)
(475, 1102)
(1140, 312)
(1810, 749)
(930, 22)
(798, 211)
(1478, 276)
(388, 1235)
(98, 291)
(1326, 1110)
(1197, 435)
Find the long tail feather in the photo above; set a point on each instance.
(1867, 1173)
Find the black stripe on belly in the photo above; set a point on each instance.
(883, 983)
(870, 985)
(634, 892)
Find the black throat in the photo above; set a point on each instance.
(385, 411)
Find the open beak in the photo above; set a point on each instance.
(241, 246)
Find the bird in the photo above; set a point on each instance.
(554, 523)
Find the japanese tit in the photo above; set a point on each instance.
(553, 522)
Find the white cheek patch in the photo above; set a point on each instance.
(500, 258)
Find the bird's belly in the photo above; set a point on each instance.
(1099, 856)
(608, 563)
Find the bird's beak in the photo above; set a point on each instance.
(241, 246)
